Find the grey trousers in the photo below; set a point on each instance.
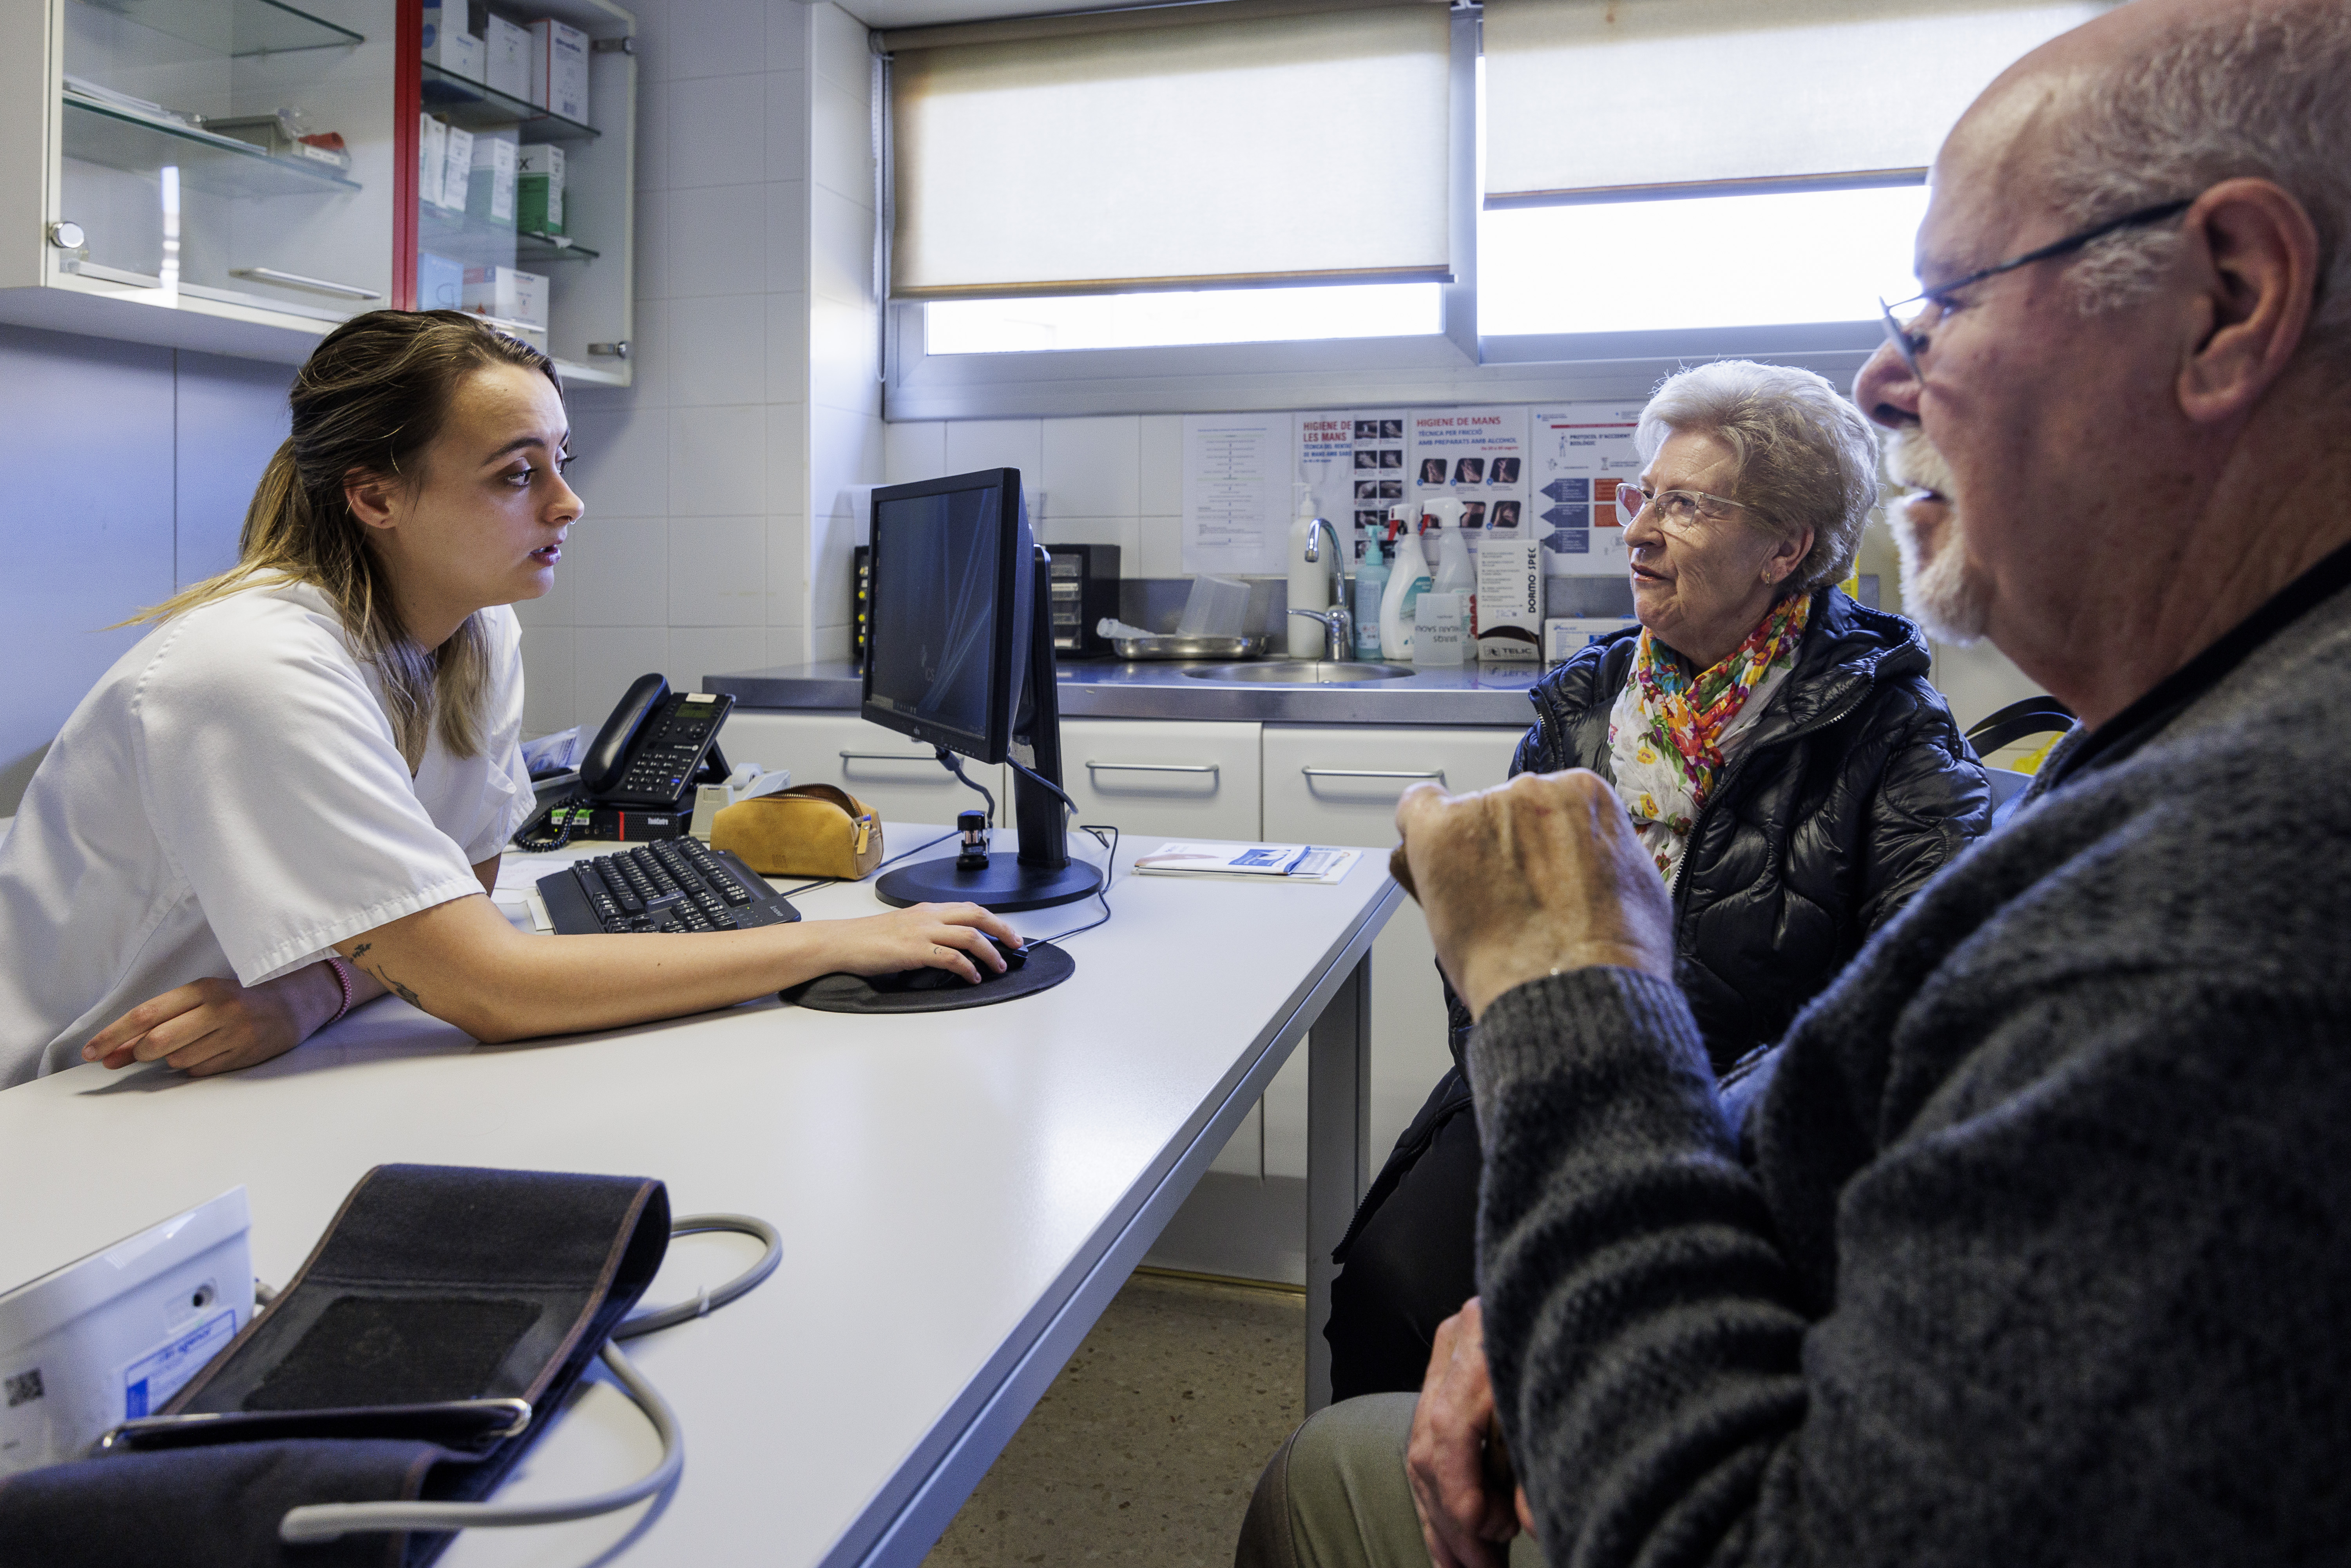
(1335, 1495)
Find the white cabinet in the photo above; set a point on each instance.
(1159, 781)
(898, 777)
(1339, 786)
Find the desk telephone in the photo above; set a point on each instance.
(638, 776)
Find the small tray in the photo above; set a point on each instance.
(1172, 647)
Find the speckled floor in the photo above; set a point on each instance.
(1145, 1448)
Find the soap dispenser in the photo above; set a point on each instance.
(1371, 587)
(1310, 582)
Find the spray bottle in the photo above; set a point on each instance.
(1408, 576)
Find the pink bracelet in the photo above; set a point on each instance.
(343, 978)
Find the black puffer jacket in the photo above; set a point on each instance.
(1854, 789)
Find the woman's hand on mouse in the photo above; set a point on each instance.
(950, 936)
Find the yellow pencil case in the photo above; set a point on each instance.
(810, 829)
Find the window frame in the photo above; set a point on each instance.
(1454, 366)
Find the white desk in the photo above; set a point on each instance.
(960, 1194)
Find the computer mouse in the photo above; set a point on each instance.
(1014, 958)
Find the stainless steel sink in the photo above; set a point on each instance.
(1299, 673)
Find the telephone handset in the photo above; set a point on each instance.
(657, 745)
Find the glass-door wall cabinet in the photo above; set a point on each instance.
(523, 190)
(240, 175)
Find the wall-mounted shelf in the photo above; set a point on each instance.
(125, 138)
(240, 29)
(470, 105)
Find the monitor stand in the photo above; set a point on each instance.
(1041, 875)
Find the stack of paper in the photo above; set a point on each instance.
(1290, 863)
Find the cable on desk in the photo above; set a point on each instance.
(332, 1520)
(885, 865)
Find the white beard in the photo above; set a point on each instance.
(1937, 589)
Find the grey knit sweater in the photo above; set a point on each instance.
(2035, 1246)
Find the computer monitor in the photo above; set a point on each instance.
(960, 655)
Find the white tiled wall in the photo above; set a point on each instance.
(1115, 480)
(716, 532)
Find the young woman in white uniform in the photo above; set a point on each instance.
(291, 795)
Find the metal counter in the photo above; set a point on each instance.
(1473, 694)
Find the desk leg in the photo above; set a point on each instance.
(1338, 1152)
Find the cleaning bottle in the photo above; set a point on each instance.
(1371, 582)
(1310, 582)
(1453, 572)
(1407, 577)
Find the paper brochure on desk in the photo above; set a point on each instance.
(1280, 862)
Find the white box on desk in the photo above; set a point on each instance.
(558, 68)
(1509, 600)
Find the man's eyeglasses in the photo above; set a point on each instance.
(1678, 509)
(1910, 344)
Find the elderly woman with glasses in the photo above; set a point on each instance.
(1784, 760)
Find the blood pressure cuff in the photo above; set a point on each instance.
(440, 1322)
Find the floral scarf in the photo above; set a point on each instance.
(1669, 731)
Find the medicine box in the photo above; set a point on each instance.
(440, 282)
(506, 47)
(1509, 600)
(512, 297)
(449, 46)
(432, 158)
(490, 192)
(558, 68)
(538, 189)
(456, 170)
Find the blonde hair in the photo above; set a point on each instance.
(368, 402)
(1806, 456)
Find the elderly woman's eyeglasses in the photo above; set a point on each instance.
(1675, 509)
(1910, 338)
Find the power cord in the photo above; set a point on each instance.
(1110, 847)
(953, 764)
(331, 1521)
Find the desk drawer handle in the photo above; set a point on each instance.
(888, 757)
(1152, 767)
(1436, 773)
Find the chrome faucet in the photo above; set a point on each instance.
(1338, 624)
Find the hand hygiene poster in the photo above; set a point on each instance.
(1477, 455)
(1579, 452)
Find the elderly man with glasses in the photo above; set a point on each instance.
(2031, 1249)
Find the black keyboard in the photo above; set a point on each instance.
(669, 885)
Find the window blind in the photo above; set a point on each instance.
(1610, 100)
(1193, 146)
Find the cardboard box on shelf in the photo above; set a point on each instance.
(456, 170)
(539, 188)
(440, 282)
(432, 158)
(558, 68)
(448, 45)
(490, 191)
(506, 47)
(509, 295)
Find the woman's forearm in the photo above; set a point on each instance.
(466, 965)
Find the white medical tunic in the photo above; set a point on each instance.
(229, 801)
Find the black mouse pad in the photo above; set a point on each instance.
(1048, 967)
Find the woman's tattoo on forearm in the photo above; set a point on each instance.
(384, 979)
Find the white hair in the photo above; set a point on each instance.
(1807, 458)
(2244, 90)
